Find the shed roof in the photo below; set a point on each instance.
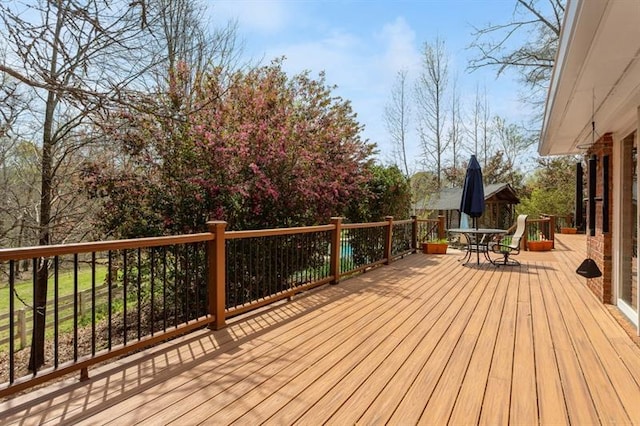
(449, 198)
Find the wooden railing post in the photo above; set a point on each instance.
(388, 240)
(441, 233)
(414, 233)
(552, 230)
(216, 277)
(334, 264)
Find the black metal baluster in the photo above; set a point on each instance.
(206, 277)
(245, 268)
(297, 267)
(273, 258)
(125, 282)
(56, 310)
(296, 261)
(186, 283)
(109, 300)
(235, 271)
(263, 266)
(152, 285)
(93, 303)
(12, 310)
(345, 262)
(242, 263)
(287, 262)
(307, 258)
(327, 243)
(252, 270)
(75, 305)
(139, 285)
(196, 278)
(295, 254)
(280, 267)
(202, 268)
(35, 311)
(164, 288)
(175, 285)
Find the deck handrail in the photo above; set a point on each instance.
(161, 287)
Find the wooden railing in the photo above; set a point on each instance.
(543, 228)
(431, 229)
(159, 288)
(559, 221)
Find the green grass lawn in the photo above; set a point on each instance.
(24, 288)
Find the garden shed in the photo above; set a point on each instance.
(500, 199)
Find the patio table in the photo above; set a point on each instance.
(478, 241)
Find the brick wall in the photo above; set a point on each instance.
(599, 246)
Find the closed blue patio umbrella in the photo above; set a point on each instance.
(472, 202)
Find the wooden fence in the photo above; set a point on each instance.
(23, 317)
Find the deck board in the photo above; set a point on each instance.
(551, 404)
(497, 395)
(524, 399)
(401, 340)
(374, 391)
(423, 340)
(443, 397)
(445, 338)
(468, 404)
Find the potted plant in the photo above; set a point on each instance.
(568, 230)
(435, 246)
(540, 244)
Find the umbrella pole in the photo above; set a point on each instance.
(475, 223)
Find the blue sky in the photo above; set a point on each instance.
(362, 44)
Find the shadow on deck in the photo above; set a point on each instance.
(423, 340)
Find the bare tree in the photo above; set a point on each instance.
(480, 129)
(456, 127)
(12, 106)
(513, 142)
(83, 60)
(538, 23)
(485, 126)
(397, 113)
(430, 101)
(78, 57)
(190, 47)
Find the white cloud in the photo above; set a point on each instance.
(339, 54)
(261, 16)
(399, 41)
(355, 64)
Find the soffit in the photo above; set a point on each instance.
(597, 74)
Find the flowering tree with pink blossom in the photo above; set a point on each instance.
(256, 148)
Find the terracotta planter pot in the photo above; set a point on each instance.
(544, 245)
(434, 248)
(568, 230)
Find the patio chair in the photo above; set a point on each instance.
(513, 247)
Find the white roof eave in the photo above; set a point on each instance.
(597, 74)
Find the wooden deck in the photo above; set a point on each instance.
(424, 340)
